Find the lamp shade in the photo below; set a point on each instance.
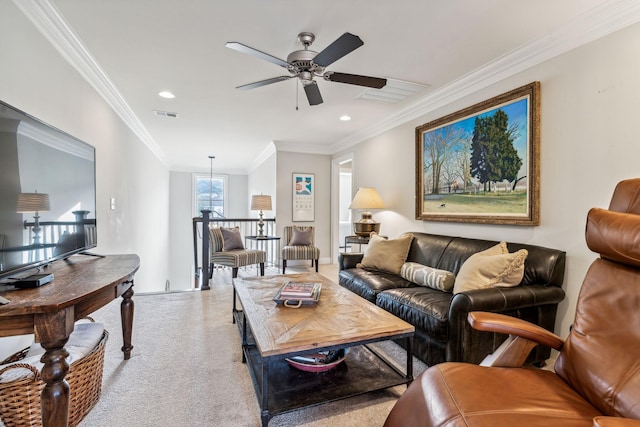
(33, 202)
(260, 203)
(367, 198)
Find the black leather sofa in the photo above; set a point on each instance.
(440, 318)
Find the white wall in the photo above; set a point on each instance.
(237, 197)
(36, 79)
(182, 263)
(262, 180)
(589, 142)
(320, 165)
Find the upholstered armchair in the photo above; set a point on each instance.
(226, 249)
(596, 381)
(299, 246)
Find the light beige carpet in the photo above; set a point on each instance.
(186, 369)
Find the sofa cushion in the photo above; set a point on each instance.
(425, 308)
(232, 239)
(387, 254)
(368, 284)
(424, 275)
(490, 268)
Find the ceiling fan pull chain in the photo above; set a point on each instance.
(297, 96)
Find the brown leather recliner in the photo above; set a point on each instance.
(597, 374)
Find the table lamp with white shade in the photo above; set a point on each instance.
(260, 202)
(366, 198)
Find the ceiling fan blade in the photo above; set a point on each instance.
(355, 79)
(345, 44)
(313, 93)
(254, 52)
(263, 82)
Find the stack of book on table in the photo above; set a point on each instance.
(298, 293)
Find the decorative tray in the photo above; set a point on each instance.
(290, 300)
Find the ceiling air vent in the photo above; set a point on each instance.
(165, 114)
(394, 91)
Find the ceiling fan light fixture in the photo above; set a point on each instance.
(345, 118)
(306, 77)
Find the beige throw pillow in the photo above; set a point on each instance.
(300, 237)
(491, 268)
(424, 275)
(232, 239)
(387, 255)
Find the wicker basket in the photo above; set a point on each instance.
(20, 399)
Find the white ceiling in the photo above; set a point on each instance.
(131, 50)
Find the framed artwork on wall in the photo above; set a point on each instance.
(303, 196)
(481, 164)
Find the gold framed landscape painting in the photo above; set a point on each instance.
(481, 164)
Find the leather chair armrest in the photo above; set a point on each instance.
(523, 337)
(503, 324)
(349, 260)
(615, 422)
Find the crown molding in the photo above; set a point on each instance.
(303, 148)
(600, 21)
(201, 171)
(48, 20)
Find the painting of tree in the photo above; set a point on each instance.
(493, 156)
(481, 164)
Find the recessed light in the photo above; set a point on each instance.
(345, 118)
(166, 94)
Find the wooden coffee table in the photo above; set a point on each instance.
(341, 319)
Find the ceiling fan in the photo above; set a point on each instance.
(307, 64)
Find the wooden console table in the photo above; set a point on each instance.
(81, 285)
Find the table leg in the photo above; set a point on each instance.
(409, 374)
(54, 398)
(244, 338)
(126, 318)
(234, 309)
(52, 331)
(264, 414)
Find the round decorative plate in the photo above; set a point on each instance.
(318, 366)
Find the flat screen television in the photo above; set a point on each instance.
(47, 195)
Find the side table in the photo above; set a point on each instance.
(269, 244)
(356, 240)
